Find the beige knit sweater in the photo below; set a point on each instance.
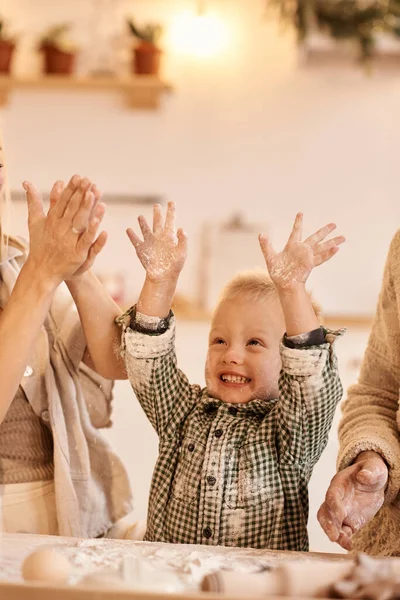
(371, 413)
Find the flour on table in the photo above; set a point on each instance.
(190, 563)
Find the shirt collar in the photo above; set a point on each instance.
(256, 407)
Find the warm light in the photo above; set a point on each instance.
(202, 35)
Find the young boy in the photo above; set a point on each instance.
(235, 457)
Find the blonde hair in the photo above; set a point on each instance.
(255, 285)
(5, 207)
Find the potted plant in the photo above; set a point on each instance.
(59, 52)
(7, 47)
(146, 57)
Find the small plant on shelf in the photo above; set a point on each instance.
(146, 53)
(7, 47)
(59, 51)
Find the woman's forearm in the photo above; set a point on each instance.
(97, 312)
(20, 324)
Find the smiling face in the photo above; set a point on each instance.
(243, 360)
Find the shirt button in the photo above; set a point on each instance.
(218, 433)
(210, 408)
(45, 415)
(207, 532)
(191, 447)
(211, 480)
(28, 371)
(232, 411)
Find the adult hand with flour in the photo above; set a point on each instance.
(361, 510)
(354, 497)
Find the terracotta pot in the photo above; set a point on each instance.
(6, 54)
(57, 61)
(146, 59)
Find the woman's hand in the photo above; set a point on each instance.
(353, 498)
(63, 243)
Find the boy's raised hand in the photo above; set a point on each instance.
(162, 251)
(294, 264)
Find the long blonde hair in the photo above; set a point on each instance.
(5, 206)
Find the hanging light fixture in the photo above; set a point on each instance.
(199, 33)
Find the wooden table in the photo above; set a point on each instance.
(90, 555)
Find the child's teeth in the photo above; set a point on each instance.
(234, 379)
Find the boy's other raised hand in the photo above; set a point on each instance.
(163, 250)
(293, 265)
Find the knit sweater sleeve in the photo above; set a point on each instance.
(369, 413)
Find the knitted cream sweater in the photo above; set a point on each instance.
(371, 414)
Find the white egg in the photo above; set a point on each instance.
(47, 565)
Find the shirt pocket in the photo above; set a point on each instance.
(187, 477)
(254, 479)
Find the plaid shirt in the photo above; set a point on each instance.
(232, 474)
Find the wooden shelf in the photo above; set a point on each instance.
(140, 92)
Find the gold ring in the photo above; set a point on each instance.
(76, 231)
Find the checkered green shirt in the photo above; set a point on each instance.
(233, 475)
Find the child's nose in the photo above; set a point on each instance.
(233, 356)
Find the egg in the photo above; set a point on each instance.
(46, 565)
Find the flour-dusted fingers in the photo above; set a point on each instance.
(325, 246)
(162, 252)
(354, 496)
(134, 239)
(157, 219)
(332, 512)
(297, 229)
(320, 235)
(326, 250)
(344, 540)
(182, 242)
(144, 227)
(266, 247)
(170, 217)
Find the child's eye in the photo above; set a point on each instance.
(218, 341)
(254, 342)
